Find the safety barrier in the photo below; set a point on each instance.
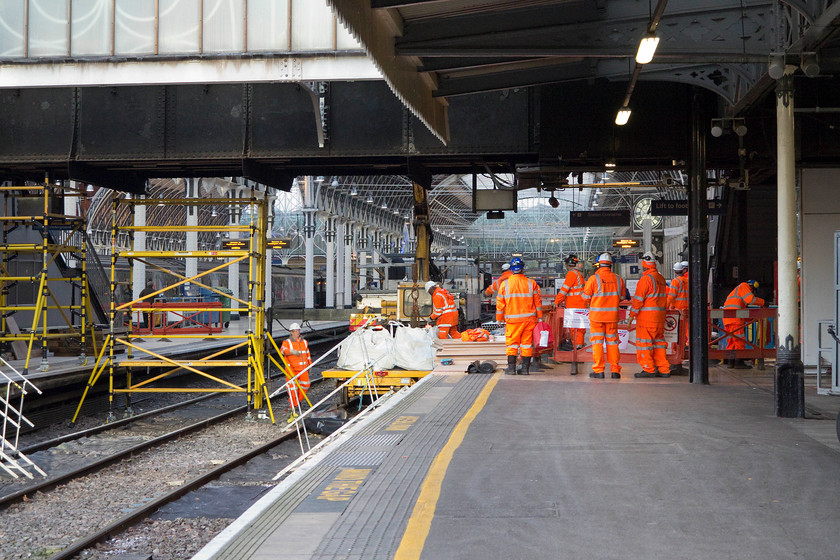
(759, 334)
(674, 352)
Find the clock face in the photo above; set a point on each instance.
(641, 211)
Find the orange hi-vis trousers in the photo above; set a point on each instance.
(296, 394)
(519, 337)
(447, 325)
(598, 334)
(650, 349)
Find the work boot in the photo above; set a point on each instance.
(645, 374)
(292, 418)
(511, 366)
(597, 375)
(666, 374)
(615, 375)
(526, 365)
(740, 364)
(677, 369)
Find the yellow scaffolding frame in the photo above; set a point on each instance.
(256, 387)
(72, 243)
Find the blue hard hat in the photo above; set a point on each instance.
(516, 264)
(752, 284)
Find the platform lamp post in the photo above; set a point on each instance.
(789, 382)
(329, 235)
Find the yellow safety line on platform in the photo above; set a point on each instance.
(420, 522)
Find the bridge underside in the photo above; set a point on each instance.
(118, 137)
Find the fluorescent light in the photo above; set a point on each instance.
(623, 116)
(646, 48)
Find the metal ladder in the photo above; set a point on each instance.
(11, 459)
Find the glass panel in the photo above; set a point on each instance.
(179, 26)
(48, 27)
(11, 28)
(135, 27)
(91, 27)
(346, 41)
(223, 23)
(268, 25)
(312, 25)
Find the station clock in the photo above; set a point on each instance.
(641, 211)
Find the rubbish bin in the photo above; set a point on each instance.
(225, 305)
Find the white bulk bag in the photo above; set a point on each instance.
(367, 345)
(413, 349)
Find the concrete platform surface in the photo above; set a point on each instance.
(553, 466)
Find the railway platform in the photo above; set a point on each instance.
(558, 466)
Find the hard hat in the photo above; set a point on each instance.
(429, 285)
(684, 264)
(572, 260)
(506, 266)
(678, 266)
(294, 327)
(516, 265)
(648, 257)
(752, 283)
(605, 259)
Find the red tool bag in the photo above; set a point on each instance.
(543, 342)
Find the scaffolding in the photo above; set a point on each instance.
(42, 245)
(250, 249)
(12, 460)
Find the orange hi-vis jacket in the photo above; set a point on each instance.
(602, 293)
(650, 301)
(519, 300)
(497, 283)
(741, 297)
(443, 303)
(572, 290)
(678, 293)
(299, 362)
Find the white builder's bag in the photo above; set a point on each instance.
(413, 349)
(367, 345)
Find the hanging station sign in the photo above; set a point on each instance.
(599, 218)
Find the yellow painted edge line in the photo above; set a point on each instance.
(420, 522)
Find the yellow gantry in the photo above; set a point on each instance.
(138, 356)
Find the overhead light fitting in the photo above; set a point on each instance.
(623, 116)
(776, 67)
(370, 199)
(609, 166)
(213, 213)
(353, 191)
(334, 183)
(647, 47)
(553, 201)
(723, 126)
(384, 206)
(739, 128)
(809, 65)
(717, 128)
(89, 188)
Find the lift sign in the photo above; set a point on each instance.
(345, 485)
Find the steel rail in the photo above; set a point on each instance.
(197, 482)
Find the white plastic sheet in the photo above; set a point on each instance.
(413, 349)
(374, 346)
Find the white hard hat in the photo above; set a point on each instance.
(294, 327)
(684, 264)
(429, 285)
(506, 266)
(648, 256)
(678, 266)
(605, 258)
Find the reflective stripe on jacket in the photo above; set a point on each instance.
(519, 300)
(650, 301)
(602, 293)
(300, 361)
(741, 297)
(571, 290)
(497, 283)
(678, 293)
(442, 302)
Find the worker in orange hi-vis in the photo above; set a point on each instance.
(443, 311)
(296, 351)
(648, 308)
(740, 298)
(497, 283)
(678, 301)
(519, 305)
(602, 293)
(571, 294)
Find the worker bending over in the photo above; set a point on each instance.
(648, 308)
(571, 294)
(519, 305)
(602, 294)
(494, 287)
(443, 311)
(296, 351)
(739, 298)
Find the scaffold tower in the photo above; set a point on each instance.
(246, 244)
(43, 248)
